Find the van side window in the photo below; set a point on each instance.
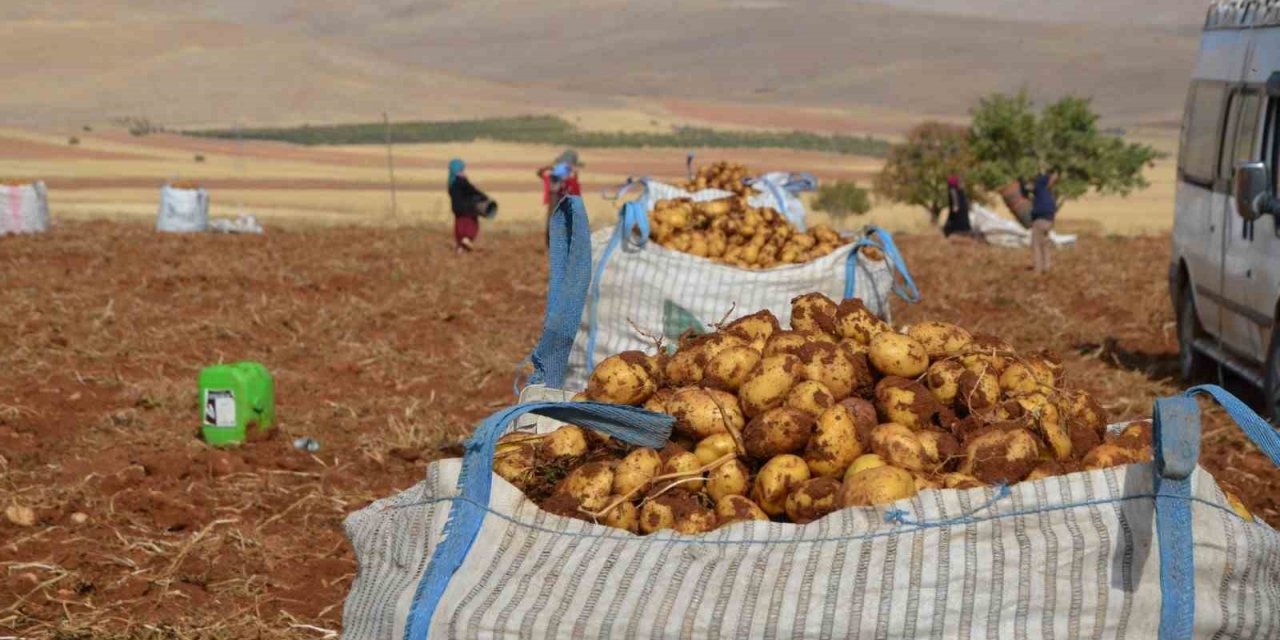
(1202, 132)
(1247, 129)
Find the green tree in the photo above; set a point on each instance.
(842, 199)
(1010, 141)
(916, 170)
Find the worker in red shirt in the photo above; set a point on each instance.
(559, 179)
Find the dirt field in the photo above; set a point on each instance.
(385, 348)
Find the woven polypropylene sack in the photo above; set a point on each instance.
(24, 208)
(1066, 557)
(643, 292)
(183, 210)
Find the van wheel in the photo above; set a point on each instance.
(1192, 364)
(1273, 377)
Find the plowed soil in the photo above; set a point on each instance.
(385, 348)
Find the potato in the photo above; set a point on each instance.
(905, 402)
(776, 432)
(825, 363)
(566, 442)
(622, 379)
(894, 354)
(853, 347)
(811, 397)
(940, 339)
(636, 470)
(1018, 379)
(925, 483)
(730, 478)
(714, 447)
(685, 368)
(899, 446)
(590, 484)
(1135, 436)
(623, 516)
(735, 508)
(1052, 429)
(943, 378)
(1108, 455)
(864, 417)
(711, 346)
(864, 462)
(1237, 505)
(516, 465)
(940, 448)
(1082, 408)
(854, 321)
(701, 412)
(1046, 469)
(767, 387)
(776, 480)
(813, 312)
(1047, 368)
(687, 464)
(660, 513)
(960, 481)
(755, 328)
(657, 402)
(695, 519)
(876, 486)
(730, 368)
(834, 444)
(812, 500)
(999, 455)
(977, 393)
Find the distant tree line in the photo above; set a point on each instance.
(553, 130)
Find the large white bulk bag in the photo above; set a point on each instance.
(1139, 551)
(182, 210)
(641, 290)
(24, 208)
(998, 230)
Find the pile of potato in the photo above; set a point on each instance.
(732, 232)
(839, 411)
(725, 176)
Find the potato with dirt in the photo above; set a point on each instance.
(814, 312)
(1001, 456)
(636, 470)
(735, 508)
(856, 322)
(877, 486)
(566, 442)
(756, 328)
(977, 393)
(894, 354)
(622, 379)
(811, 397)
(940, 339)
(687, 468)
(899, 446)
(516, 464)
(767, 387)
(943, 379)
(776, 480)
(701, 412)
(905, 402)
(686, 367)
(623, 515)
(590, 484)
(829, 365)
(814, 499)
(715, 447)
(730, 368)
(777, 431)
(864, 462)
(834, 444)
(730, 478)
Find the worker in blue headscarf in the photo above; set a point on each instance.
(468, 203)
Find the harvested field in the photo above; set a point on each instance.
(386, 349)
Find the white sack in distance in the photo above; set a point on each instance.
(24, 208)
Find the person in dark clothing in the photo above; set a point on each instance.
(957, 209)
(1044, 208)
(559, 179)
(468, 203)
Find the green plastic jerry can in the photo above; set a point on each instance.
(236, 399)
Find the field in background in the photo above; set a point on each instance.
(113, 174)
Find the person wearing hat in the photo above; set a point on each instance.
(559, 179)
(468, 203)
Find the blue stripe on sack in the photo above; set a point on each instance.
(1259, 431)
(569, 277)
(1176, 440)
(629, 424)
(883, 240)
(632, 225)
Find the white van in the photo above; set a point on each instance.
(1225, 274)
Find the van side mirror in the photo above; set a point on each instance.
(1253, 190)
